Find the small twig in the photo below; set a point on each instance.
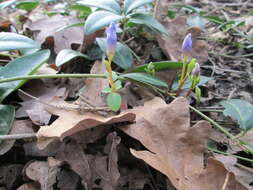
(226, 181)
(18, 136)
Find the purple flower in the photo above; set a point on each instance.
(196, 70)
(111, 40)
(187, 43)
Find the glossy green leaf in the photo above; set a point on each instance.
(83, 10)
(130, 5)
(109, 5)
(21, 66)
(114, 101)
(7, 114)
(5, 4)
(99, 20)
(27, 5)
(240, 110)
(187, 84)
(144, 78)
(13, 41)
(66, 55)
(123, 56)
(149, 21)
(159, 66)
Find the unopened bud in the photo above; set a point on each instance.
(196, 70)
(187, 43)
(111, 40)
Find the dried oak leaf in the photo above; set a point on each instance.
(46, 31)
(177, 30)
(175, 148)
(70, 122)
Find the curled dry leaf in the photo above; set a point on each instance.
(30, 186)
(176, 149)
(177, 30)
(70, 122)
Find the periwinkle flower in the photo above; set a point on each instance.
(111, 40)
(196, 70)
(187, 43)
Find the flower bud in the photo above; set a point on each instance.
(111, 40)
(196, 70)
(187, 43)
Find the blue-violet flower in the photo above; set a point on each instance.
(111, 40)
(187, 43)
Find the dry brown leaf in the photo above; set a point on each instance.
(70, 122)
(34, 109)
(18, 127)
(176, 149)
(43, 173)
(73, 154)
(9, 175)
(241, 173)
(177, 29)
(94, 86)
(30, 186)
(47, 31)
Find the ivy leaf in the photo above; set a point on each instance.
(109, 5)
(7, 114)
(66, 55)
(21, 66)
(114, 101)
(99, 20)
(123, 56)
(144, 78)
(13, 41)
(240, 110)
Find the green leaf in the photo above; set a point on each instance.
(149, 21)
(123, 56)
(27, 5)
(129, 5)
(70, 26)
(114, 101)
(66, 55)
(240, 110)
(5, 4)
(109, 5)
(13, 41)
(144, 78)
(171, 14)
(187, 84)
(21, 66)
(99, 20)
(161, 65)
(84, 11)
(7, 114)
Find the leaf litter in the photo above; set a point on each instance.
(92, 147)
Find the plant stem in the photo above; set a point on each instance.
(28, 77)
(222, 129)
(18, 136)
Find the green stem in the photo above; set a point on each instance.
(222, 129)
(228, 154)
(28, 77)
